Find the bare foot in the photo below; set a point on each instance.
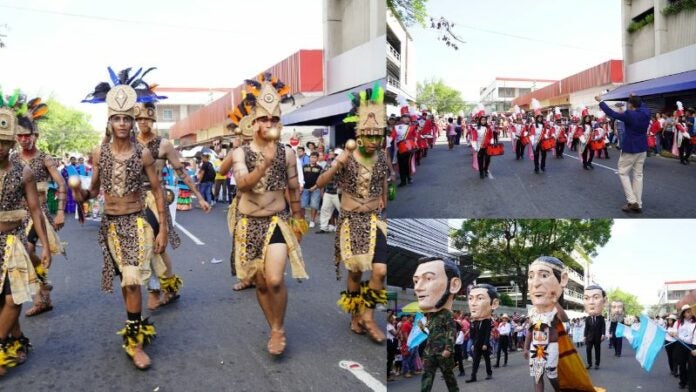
(153, 300)
(373, 330)
(355, 325)
(243, 285)
(277, 342)
(140, 359)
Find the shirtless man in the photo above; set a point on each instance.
(18, 280)
(44, 169)
(125, 237)
(163, 151)
(361, 241)
(265, 236)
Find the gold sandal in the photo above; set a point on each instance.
(277, 342)
(373, 330)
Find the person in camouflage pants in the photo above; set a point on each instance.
(439, 349)
(436, 282)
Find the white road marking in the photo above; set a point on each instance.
(594, 164)
(359, 372)
(188, 233)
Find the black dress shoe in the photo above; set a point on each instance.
(588, 367)
(536, 170)
(401, 184)
(410, 181)
(481, 175)
(543, 169)
(596, 367)
(470, 380)
(488, 377)
(496, 366)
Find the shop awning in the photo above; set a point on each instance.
(325, 110)
(663, 85)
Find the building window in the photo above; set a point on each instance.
(524, 91)
(506, 92)
(167, 115)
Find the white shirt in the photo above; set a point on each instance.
(686, 331)
(391, 332)
(504, 329)
(460, 338)
(672, 329)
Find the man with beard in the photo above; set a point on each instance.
(436, 282)
(616, 316)
(483, 300)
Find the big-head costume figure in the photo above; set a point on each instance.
(616, 316)
(594, 299)
(547, 346)
(483, 300)
(436, 282)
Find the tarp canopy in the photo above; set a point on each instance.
(664, 85)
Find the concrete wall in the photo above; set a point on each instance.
(681, 30)
(676, 61)
(360, 65)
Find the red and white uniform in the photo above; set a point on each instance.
(560, 133)
(481, 137)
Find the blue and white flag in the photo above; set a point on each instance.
(648, 342)
(417, 336)
(624, 331)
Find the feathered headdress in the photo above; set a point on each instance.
(240, 118)
(265, 94)
(680, 109)
(536, 106)
(480, 111)
(557, 112)
(34, 110)
(11, 107)
(124, 92)
(368, 111)
(576, 116)
(517, 112)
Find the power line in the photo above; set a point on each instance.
(121, 20)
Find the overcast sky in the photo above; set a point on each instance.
(642, 254)
(204, 43)
(545, 39)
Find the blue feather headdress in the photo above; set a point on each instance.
(144, 91)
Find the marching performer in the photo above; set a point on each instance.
(165, 286)
(361, 242)
(541, 138)
(561, 134)
(405, 139)
(599, 136)
(44, 169)
(126, 240)
(18, 279)
(481, 138)
(682, 138)
(584, 137)
(265, 235)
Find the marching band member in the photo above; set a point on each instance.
(584, 139)
(481, 138)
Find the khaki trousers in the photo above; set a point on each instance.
(633, 187)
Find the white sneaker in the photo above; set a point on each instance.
(311, 225)
(332, 228)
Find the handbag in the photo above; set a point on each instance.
(495, 149)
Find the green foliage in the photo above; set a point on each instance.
(631, 305)
(508, 246)
(678, 6)
(505, 300)
(66, 130)
(637, 25)
(409, 12)
(436, 95)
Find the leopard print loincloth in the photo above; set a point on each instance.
(356, 237)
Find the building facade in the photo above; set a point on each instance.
(671, 293)
(181, 102)
(401, 73)
(499, 94)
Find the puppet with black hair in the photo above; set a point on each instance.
(436, 283)
(361, 231)
(594, 299)
(483, 300)
(44, 169)
(547, 346)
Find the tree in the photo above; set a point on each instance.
(409, 12)
(508, 246)
(631, 305)
(438, 96)
(66, 130)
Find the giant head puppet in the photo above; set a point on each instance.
(483, 300)
(436, 282)
(546, 280)
(616, 311)
(594, 299)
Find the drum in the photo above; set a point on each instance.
(548, 144)
(407, 146)
(596, 145)
(524, 140)
(495, 149)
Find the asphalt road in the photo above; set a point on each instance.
(446, 186)
(621, 374)
(212, 339)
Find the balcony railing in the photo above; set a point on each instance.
(394, 82)
(394, 53)
(578, 278)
